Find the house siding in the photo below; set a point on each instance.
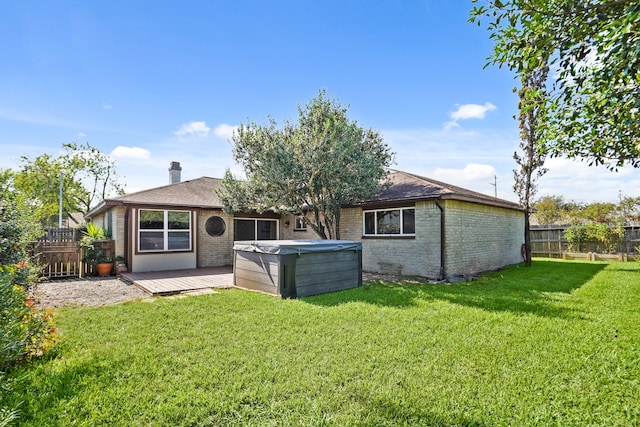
(481, 238)
(160, 261)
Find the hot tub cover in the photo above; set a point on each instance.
(286, 247)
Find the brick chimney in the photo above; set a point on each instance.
(174, 173)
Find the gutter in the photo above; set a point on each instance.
(128, 258)
(441, 274)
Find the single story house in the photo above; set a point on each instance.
(416, 226)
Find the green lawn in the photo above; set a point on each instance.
(555, 344)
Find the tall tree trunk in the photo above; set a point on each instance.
(527, 238)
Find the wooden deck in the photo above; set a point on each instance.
(178, 281)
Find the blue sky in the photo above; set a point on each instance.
(153, 82)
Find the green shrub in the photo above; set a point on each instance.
(25, 331)
(606, 236)
(575, 235)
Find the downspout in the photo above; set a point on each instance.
(127, 237)
(441, 275)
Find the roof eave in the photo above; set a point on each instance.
(490, 202)
(101, 207)
(106, 204)
(451, 196)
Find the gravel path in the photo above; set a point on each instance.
(111, 290)
(86, 292)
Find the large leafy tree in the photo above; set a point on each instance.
(88, 177)
(311, 167)
(597, 212)
(549, 210)
(17, 226)
(531, 161)
(594, 48)
(629, 209)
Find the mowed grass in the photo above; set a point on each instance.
(555, 344)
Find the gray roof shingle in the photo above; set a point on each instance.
(200, 193)
(405, 186)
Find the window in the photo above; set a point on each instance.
(390, 222)
(215, 226)
(163, 230)
(300, 224)
(255, 229)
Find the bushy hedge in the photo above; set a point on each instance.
(25, 331)
(606, 236)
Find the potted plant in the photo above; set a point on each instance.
(104, 266)
(94, 253)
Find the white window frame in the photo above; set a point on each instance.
(375, 222)
(299, 224)
(255, 225)
(165, 232)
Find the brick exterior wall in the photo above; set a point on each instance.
(116, 214)
(214, 251)
(481, 238)
(419, 256)
(288, 232)
(117, 229)
(478, 238)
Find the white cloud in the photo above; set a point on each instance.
(130, 153)
(576, 180)
(450, 125)
(195, 129)
(471, 173)
(107, 106)
(225, 131)
(468, 158)
(81, 135)
(472, 111)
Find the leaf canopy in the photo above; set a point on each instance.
(311, 167)
(593, 46)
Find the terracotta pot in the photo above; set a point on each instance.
(104, 269)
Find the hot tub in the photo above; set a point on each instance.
(297, 268)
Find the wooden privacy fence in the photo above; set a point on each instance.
(550, 242)
(64, 259)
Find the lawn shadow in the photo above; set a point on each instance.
(54, 392)
(386, 411)
(539, 290)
